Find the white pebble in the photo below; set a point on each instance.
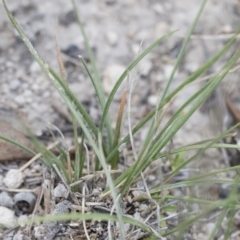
(60, 191)
(35, 68)
(152, 100)
(22, 220)
(13, 179)
(145, 67)
(6, 200)
(14, 85)
(110, 77)
(112, 38)
(7, 217)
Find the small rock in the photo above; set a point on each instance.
(161, 29)
(168, 71)
(13, 179)
(145, 67)
(153, 100)
(158, 8)
(60, 191)
(24, 203)
(1, 180)
(6, 200)
(14, 84)
(227, 28)
(27, 93)
(20, 100)
(138, 217)
(67, 18)
(112, 38)
(34, 68)
(209, 228)
(237, 219)
(110, 77)
(7, 218)
(22, 220)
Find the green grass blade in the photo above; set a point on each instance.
(183, 48)
(211, 85)
(96, 80)
(189, 80)
(77, 170)
(59, 84)
(68, 93)
(92, 216)
(97, 90)
(114, 163)
(178, 124)
(122, 77)
(17, 144)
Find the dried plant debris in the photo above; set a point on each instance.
(136, 204)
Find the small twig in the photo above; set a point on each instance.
(111, 213)
(91, 176)
(65, 184)
(88, 158)
(36, 157)
(39, 199)
(69, 166)
(83, 211)
(17, 190)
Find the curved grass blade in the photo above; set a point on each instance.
(122, 77)
(96, 87)
(58, 83)
(68, 93)
(138, 168)
(95, 217)
(183, 48)
(189, 80)
(96, 80)
(114, 163)
(17, 144)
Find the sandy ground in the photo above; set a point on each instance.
(116, 31)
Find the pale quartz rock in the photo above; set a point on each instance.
(7, 217)
(110, 77)
(22, 220)
(13, 179)
(112, 38)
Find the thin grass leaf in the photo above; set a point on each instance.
(111, 185)
(96, 80)
(59, 57)
(82, 156)
(96, 87)
(118, 128)
(77, 164)
(124, 74)
(92, 216)
(74, 100)
(58, 83)
(189, 80)
(197, 154)
(179, 122)
(50, 158)
(218, 223)
(183, 48)
(17, 144)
